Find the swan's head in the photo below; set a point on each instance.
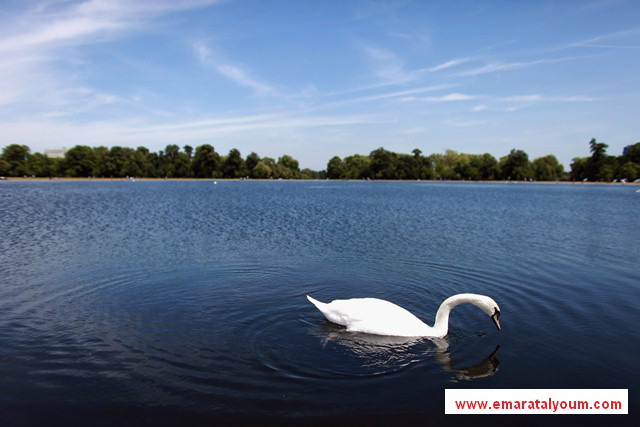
(489, 306)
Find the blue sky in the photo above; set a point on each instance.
(318, 78)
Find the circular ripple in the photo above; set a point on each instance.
(304, 349)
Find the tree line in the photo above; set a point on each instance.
(205, 162)
(383, 164)
(602, 167)
(172, 162)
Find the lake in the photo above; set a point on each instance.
(173, 302)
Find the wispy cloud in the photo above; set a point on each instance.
(448, 64)
(495, 67)
(233, 72)
(401, 95)
(500, 66)
(415, 130)
(522, 98)
(464, 123)
(597, 41)
(539, 97)
(452, 97)
(81, 23)
(34, 133)
(519, 102)
(39, 45)
(387, 65)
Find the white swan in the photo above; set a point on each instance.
(379, 317)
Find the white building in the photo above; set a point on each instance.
(55, 153)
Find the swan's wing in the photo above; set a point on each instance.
(372, 315)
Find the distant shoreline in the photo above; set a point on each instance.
(40, 179)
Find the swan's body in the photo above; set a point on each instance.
(379, 317)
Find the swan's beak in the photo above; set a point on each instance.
(495, 316)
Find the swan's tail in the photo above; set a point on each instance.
(319, 305)
(328, 312)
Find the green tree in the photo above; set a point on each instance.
(633, 154)
(417, 164)
(251, 162)
(598, 149)
(547, 168)
(271, 164)
(383, 164)
(206, 162)
(307, 173)
(16, 156)
(488, 167)
(288, 167)
(261, 171)
(41, 165)
(188, 151)
(448, 165)
(630, 171)
(405, 166)
(175, 164)
(423, 165)
(122, 162)
(465, 167)
(336, 168)
(233, 165)
(357, 167)
(606, 172)
(103, 162)
(597, 161)
(579, 168)
(5, 167)
(516, 166)
(183, 164)
(144, 161)
(80, 161)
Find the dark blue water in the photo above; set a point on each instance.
(165, 303)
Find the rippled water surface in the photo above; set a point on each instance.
(167, 302)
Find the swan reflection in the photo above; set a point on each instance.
(390, 353)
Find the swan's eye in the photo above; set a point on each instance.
(496, 312)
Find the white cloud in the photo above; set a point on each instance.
(233, 72)
(452, 97)
(595, 42)
(404, 93)
(80, 23)
(448, 64)
(519, 102)
(464, 123)
(456, 97)
(494, 67)
(415, 130)
(522, 98)
(37, 133)
(388, 66)
(499, 66)
(67, 29)
(538, 97)
(38, 47)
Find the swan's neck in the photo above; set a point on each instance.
(441, 325)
